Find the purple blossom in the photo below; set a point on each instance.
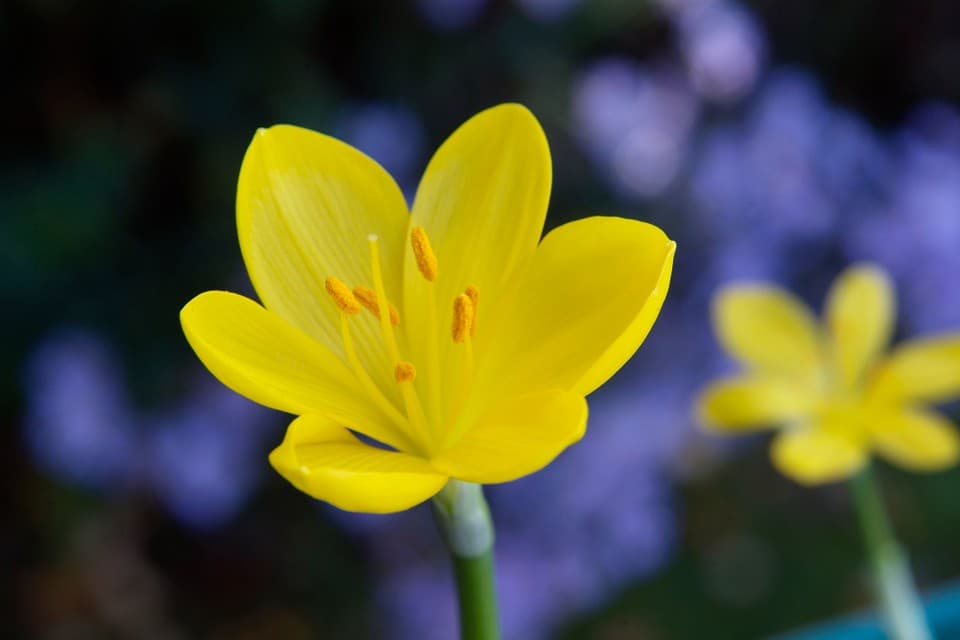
(762, 173)
(205, 456)
(78, 423)
(859, 163)
(201, 456)
(723, 49)
(915, 229)
(418, 603)
(390, 134)
(635, 123)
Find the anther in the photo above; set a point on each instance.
(368, 298)
(462, 317)
(342, 296)
(474, 294)
(423, 252)
(404, 371)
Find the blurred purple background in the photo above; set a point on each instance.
(687, 117)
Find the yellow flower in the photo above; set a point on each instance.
(479, 368)
(832, 389)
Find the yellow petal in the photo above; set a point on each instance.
(519, 436)
(482, 202)
(483, 199)
(324, 460)
(925, 370)
(915, 439)
(259, 355)
(746, 403)
(768, 330)
(306, 204)
(811, 456)
(593, 291)
(860, 313)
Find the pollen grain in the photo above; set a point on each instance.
(474, 294)
(342, 296)
(404, 372)
(462, 318)
(368, 298)
(423, 253)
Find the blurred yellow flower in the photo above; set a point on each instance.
(836, 395)
(450, 334)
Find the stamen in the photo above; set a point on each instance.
(342, 296)
(462, 317)
(368, 298)
(363, 377)
(474, 294)
(405, 372)
(414, 410)
(385, 327)
(423, 252)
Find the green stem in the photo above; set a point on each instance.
(901, 604)
(477, 597)
(464, 519)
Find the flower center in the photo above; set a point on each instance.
(843, 413)
(413, 419)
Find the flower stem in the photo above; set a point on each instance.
(478, 602)
(464, 519)
(902, 607)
